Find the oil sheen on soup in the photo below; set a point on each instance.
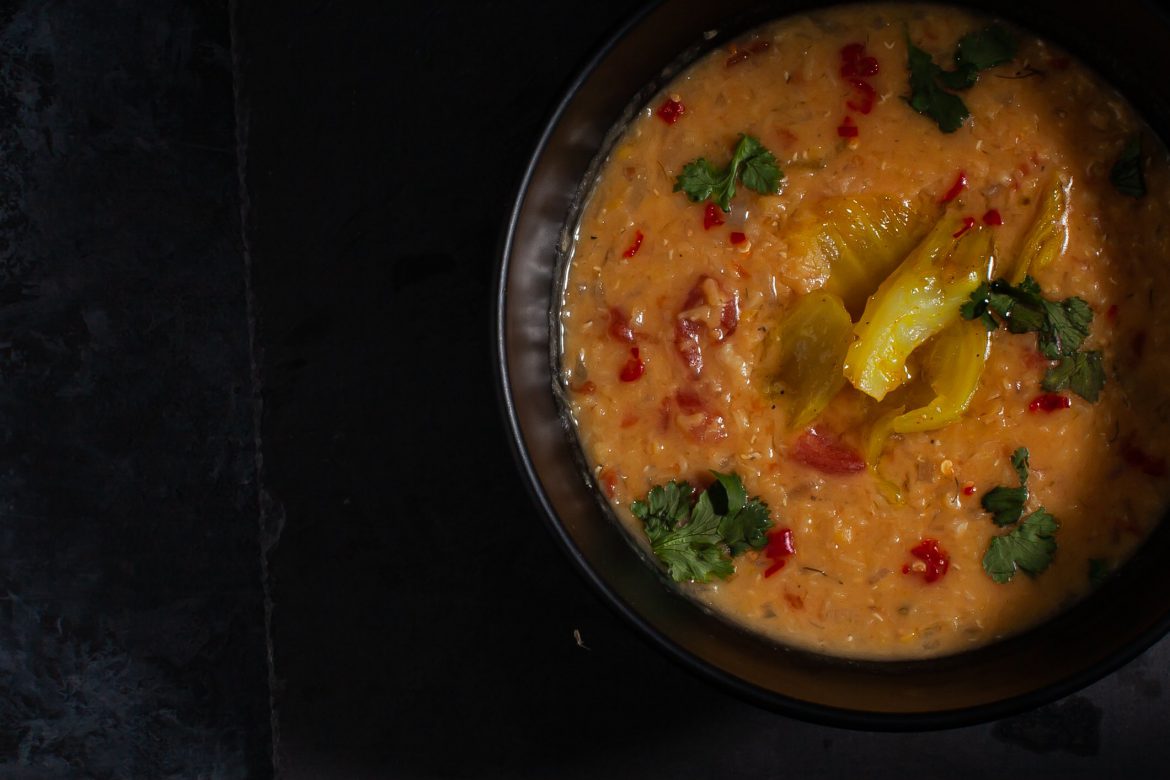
(863, 331)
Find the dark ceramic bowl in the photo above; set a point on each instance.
(1130, 44)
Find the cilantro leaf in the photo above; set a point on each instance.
(1029, 548)
(1083, 373)
(1061, 328)
(1020, 464)
(1006, 504)
(986, 48)
(747, 529)
(699, 180)
(751, 162)
(932, 88)
(1126, 175)
(927, 97)
(697, 543)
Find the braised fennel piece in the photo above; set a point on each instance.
(917, 301)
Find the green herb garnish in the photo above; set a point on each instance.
(1007, 504)
(1083, 373)
(751, 163)
(698, 542)
(1126, 174)
(932, 88)
(1061, 327)
(1029, 547)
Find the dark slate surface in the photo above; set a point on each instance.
(424, 621)
(132, 639)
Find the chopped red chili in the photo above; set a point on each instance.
(847, 128)
(1049, 402)
(936, 559)
(635, 246)
(868, 66)
(959, 185)
(712, 216)
(826, 455)
(993, 217)
(671, 111)
(969, 489)
(865, 96)
(736, 237)
(634, 367)
(968, 223)
(779, 549)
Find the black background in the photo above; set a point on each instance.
(252, 352)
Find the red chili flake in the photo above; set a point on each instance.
(587, 388)
(969, 489)
(736, 237)
(671, 111)
(634, 247)
(936, 559)
(968, 223)
(779, 548)
(847, 129)
(826, 455)
(619, 325)
(993, 217)
(868, 66)
(866, 97)
(1049, 402)
(959, 185)
(1141, 460)
(712, 216)
(794, 600)
(634, 367)
(1111, 314)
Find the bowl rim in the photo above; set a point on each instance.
(821, 714)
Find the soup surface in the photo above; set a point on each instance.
(825, 338)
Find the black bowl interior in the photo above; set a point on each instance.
(1130, 46)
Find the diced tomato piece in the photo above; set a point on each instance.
(824, 453)
(737, 237)
(993, 218)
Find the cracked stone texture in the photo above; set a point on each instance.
(132, 638)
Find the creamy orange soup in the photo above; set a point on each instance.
(669, 307)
